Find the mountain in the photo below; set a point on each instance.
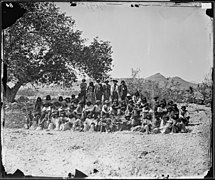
(156, 77)
(162, 80)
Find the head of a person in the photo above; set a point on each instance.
(106, 102)
(165, 118)
(98, 80)
(131, 102)
(60, 98)
(169, 109)
(56, 104)
(156, 98)
(162, 105)
(115, 101)
(123, 82)
(39, 100)
(175, 106)
(98, 102)
(91, 83)
(48, 98)
(73, 96)
(115, 81)
(143, 98)
(106, 81)
(183, 108)
(88, 103)
(127, 117)
(80, 103)
(83, 80)
(122, 102)
(170, 103)
(67, 100)
(76, 101)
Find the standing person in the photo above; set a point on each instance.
(98, 90)
(106, 91)
(123, 90)
(91, 93)
(114, 91)
(83, 87)
(38, 109)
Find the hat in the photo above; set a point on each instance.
(128, 95)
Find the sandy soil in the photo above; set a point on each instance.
(120, 154)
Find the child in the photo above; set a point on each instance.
(106, 110)
(184, 115)
(88, 109)
(115, 107)
(29, 119)
(97, 109)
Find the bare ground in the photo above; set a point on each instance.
(120, 154)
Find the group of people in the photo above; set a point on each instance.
(108, 108)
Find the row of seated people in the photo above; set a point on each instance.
(61, 115)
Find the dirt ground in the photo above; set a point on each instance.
(120, 154)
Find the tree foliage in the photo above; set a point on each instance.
(42, 47)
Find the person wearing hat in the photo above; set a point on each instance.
(90, 96)
(98, 90)
(106, 91)
(114, 91)
(123, 90)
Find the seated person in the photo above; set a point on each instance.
(129, 109)
(97, 109)
(88, 109)
(46, 114)
(147, 123)
(123, 106)
(184, 115)
(79, 110)
(115, 107)
(106, 109)
(72, 98)
(146, 110)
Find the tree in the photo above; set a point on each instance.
(205, 88)
(96, 59)
(43, 48)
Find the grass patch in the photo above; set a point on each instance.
(15, 119)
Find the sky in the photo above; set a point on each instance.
(173, 41)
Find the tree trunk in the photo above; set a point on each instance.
(10, 93)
